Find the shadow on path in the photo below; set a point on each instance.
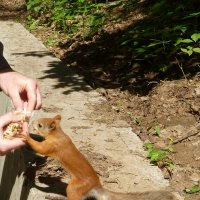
(65, 76)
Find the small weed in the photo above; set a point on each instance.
(96, 22)
(32, 23)
(189, 49)
(193, 189)
(155, 130)
(50, 41)
(159, 156)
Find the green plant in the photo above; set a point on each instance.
(194, 189)
(32, 23)
(66, 15)
(182, 43)
(96, 22)
(170, 30)
(159, 156)
(35, 6)
(50, 41)
(155, 130)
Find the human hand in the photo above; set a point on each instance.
(22, 90)
(5, 144)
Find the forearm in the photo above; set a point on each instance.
(4, 66)
(3, 63)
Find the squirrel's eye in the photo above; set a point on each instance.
(40, 125)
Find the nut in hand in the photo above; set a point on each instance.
(15, 128)
(12, 130)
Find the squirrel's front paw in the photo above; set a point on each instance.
(23, 136)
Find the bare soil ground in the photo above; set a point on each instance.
(174, 106)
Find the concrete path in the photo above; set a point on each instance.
(66, 93)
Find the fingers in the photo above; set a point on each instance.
(34, 97)
(8, 145)
(17, 101)
(39, 100)
(8, 118)
(25, 127)
(31, 96)
(23, 91)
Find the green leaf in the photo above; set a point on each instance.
(192, 15)
(156, 155)
(140, 50)
(157, 43)
(50, 41)
(149, 145)
(180, 40)
(126, 42)
(163, 68)
(181, 28)
(195, 36)
(197, 50)
(157, 130)
(81, 1)
(188, 51)
(189, 47)
(193, 189)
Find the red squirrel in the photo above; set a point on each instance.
(84, 183)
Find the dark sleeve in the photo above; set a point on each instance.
(1, 48)
(3, 62)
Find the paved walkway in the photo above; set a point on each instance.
(66, 93)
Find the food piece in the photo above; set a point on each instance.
(14, 128)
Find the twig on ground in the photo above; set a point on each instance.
(188, 134)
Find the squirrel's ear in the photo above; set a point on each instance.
(57, 117)
(52, 126)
